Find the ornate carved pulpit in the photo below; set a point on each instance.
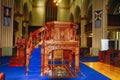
(59, 36)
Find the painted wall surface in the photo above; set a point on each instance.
(74, 4)
(63, 14)
(38, 16)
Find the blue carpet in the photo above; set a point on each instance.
(18, 73)
(89, 59)
(35, 62)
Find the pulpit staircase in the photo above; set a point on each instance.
(53, 36)
(35, 62)
(33, 53)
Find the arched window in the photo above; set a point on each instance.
(51, 11)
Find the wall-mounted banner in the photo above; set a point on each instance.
(7, 16)
(98, 18)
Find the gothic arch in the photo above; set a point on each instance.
(77, 14)
(18, 6)
(89, 15)
(85, 6)
(113, 6)
(25, 12)
(71, 17)
(30, 18)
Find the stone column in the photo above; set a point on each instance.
(18, 18)
(99, 24)
(26, 29)
(83, 35)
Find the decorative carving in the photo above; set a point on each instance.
(61, 37)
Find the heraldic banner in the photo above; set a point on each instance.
(98, 18)
(7, 16)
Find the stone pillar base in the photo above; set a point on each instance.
(6, 51)
(94, 51)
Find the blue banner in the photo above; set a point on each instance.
(7, 16)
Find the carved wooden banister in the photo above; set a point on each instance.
(30, 46)
(29, 50)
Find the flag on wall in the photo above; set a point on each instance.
(7, 16)
(98, 18)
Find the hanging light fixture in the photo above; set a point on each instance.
(57, 2)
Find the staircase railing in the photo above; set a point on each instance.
(33, 40)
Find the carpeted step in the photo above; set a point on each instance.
(35, 62)
(34, 68)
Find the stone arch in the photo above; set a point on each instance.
(71, 17)
(77, 11)
(77, 14)
(18, 6)
(89, 15)
(85, 7)
(25, 12)
(113, 7)
(30, 18)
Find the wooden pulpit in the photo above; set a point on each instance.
(59, 36)
(19, 59)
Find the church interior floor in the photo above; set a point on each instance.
(110, 71)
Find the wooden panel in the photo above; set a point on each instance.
(113, 20)
(88, 28)
(58, 54)
(67, 54)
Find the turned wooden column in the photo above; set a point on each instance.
(77, 60)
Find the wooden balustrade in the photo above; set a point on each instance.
(29, 50)
(31, 44)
